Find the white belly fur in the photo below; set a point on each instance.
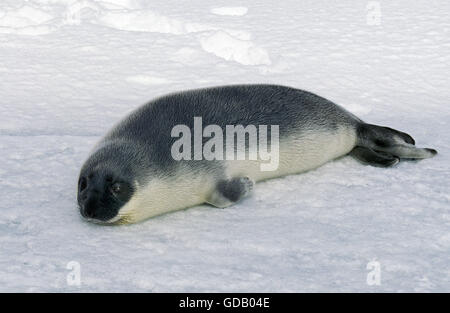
(163, 195)
(297, 154)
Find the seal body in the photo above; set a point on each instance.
(132, 175)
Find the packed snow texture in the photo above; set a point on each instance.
(237, 11)
(70, 69)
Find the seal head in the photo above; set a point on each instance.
(105, 184)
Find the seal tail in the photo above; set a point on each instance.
(384, 146)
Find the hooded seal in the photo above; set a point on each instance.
(133, 174)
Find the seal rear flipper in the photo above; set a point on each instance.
(371, 157)
(392, 142)
(230, 191)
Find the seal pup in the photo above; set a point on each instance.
(131, 174)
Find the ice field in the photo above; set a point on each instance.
(70, 69)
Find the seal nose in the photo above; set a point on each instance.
(88, 198)
(88, 209)
(89, 204)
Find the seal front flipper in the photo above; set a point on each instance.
(230, 191)
(371, 157)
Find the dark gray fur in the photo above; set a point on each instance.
(292, 109)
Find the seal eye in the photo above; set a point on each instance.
(121, 191)
(116, 188)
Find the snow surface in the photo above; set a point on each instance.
(232, 11)
(70, 69)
